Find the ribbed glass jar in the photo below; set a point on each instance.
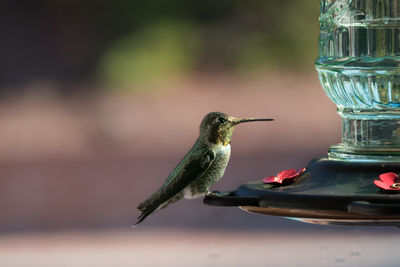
(359, 69)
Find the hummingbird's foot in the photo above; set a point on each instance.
(218, 193)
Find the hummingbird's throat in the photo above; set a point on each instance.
(223, 140)
(217, 139)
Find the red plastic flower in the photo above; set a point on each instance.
(286, 176)
(388, 181)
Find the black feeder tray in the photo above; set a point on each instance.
(328, 192)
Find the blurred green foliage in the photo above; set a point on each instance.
(160, 50)
(153, 40)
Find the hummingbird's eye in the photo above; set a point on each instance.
(222, 120)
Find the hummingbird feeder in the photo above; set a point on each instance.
(357, 183)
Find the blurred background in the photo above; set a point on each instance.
(99, 100)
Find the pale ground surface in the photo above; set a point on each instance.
(189, 248)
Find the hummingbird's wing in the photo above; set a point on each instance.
(190, 169)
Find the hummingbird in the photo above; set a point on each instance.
(201, 167)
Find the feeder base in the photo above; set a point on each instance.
(328, 192)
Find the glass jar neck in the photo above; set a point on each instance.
(372, 135)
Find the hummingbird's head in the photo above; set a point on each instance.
(217, 127)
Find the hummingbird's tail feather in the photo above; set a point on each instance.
(142, 216)
(154, 204)
(147, 207)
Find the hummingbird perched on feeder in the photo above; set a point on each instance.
(201, 167)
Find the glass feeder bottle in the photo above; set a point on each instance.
(359, 69)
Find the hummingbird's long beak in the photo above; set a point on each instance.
(236, 121)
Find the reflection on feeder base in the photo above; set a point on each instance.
(324, 217)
